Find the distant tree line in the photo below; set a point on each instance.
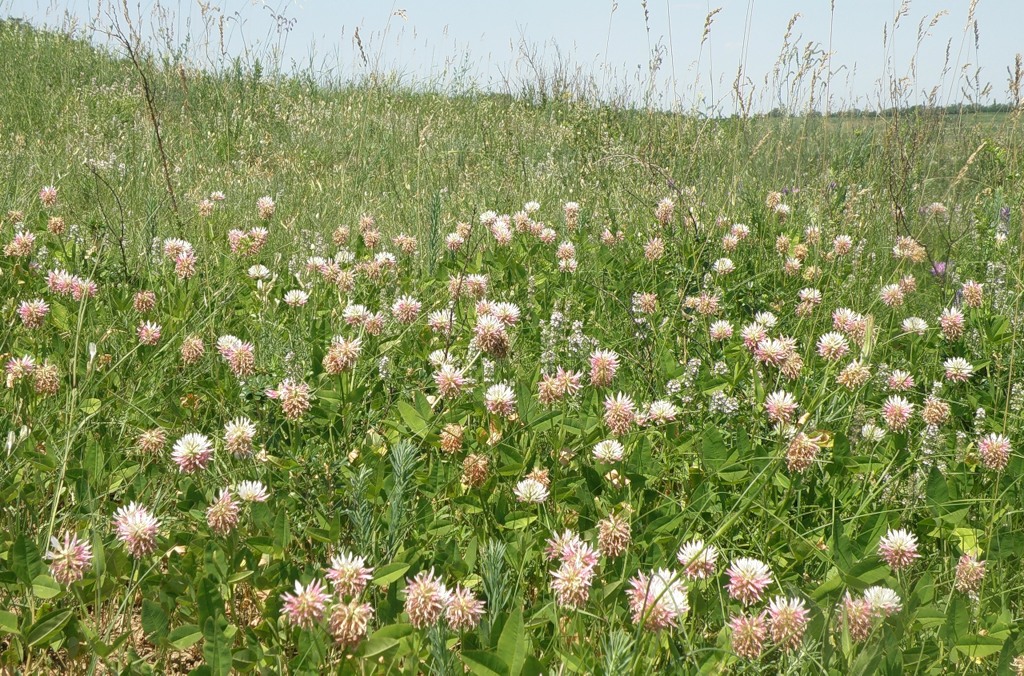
(955, 109)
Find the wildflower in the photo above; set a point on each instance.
(425, 599)
(914, 325)
(665, 210)
(969, 574)
(892, 295)
(787, 621)
(294, 397)
(222, 515)
(48, 196)
(258, 272)
(748, 579)
(69, 558)
(474, 470)
(406, 309)
(251, 491)
(349, 574)
(407, 244)
(855, 374)
(842, 245)
(660, 412)
(562, 545)
(657, 602)
(973, 294)
(572, 212)
(46, 379)
(720, 330)
(698, 560)
(152, 441)
(613, 535)
(296, 298)
(898, 548)
(897, 411)
(530, 491)
(952, 323)
(958, 369)
(753, 335)
(748, 635)
(463, 610)
(780, 406)
(238, 436)
(149, 333)
(994, 451)
(192, 349)
(307, 605)
(619, 413)
(801, 452)
(144, 301)
(935, 412)
(900, 381)
(265, 207)
(832, 346)
(441, 321)
(773, 351)
(451, 438)
(907, 248)
(654, 249)
(723, 266)
(872, 433)
(857, 616)
(348, 622)
(342, 355)
(603, 366)
(740, 231)
(22, 245)
(490, 337)
(192, 452)
(500, 400)
(882, 601)
(907, 284)
(705, 303)
(33, 312)
(185, 264)
(506, 313)
(136, 528)
(18, 368)
(571, 582)
(55, 225)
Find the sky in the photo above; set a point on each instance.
(936, 48)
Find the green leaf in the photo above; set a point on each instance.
(209, 601)
(154, 620)
(519, 520)
(184, 636)
(417, 425)
(8, 623)
(512, 644)
(282, 535)
(25, 560)
(387, 574)
(216, 646)
(45, 587)
(977, 647)
(48, 626)
(385, 639)
(484, 663)
(90, 406)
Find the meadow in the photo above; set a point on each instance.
(358, 379)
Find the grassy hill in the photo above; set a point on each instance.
(549, 353)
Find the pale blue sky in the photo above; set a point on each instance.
(437, 40)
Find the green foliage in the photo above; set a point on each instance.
(381, 464)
